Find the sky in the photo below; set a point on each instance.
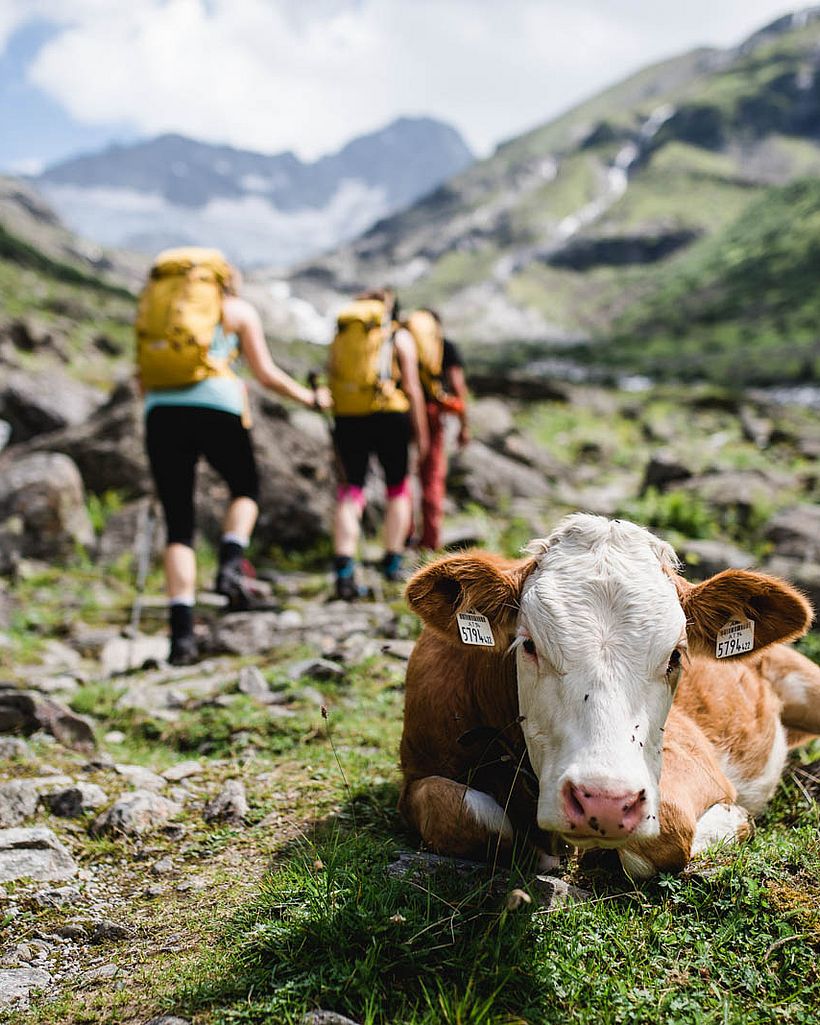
(309, 75)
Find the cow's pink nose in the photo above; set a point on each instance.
(601, 813)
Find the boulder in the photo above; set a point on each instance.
(795, 532)
(25, 712)
(664, 468)
(42, 496)
(478, 474)
(46, 401)
(125, 529)
(33, 854)
(804, 575)
(491, 420)
(704, 558)
(740, 492)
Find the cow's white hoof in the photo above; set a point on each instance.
(722, 823)
(636, 866)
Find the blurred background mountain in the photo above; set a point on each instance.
(665, 227)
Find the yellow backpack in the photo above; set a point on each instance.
(429, 339)
(363, 368)
(179, 308)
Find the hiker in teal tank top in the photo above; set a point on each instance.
(208, 419)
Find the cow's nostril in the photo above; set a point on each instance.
(575, 807)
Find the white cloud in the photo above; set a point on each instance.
(274, 74)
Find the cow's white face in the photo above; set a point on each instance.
(600, 638)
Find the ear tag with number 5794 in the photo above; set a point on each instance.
(475, 629)
(737, 637)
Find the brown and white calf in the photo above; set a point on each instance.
(563, 727)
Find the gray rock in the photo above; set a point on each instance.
(479, 474)
(704, 558)
(320, 1017)
(740, 491)
(135, 813)
(106, 931)
(125, 528)
(665, 468)
(33, 853)
(229, 805)
(317, 669)
(253, 683)
(552, 892)
(141, 778)
(183, 770)
(168, 1019)
(101, 974)
(247, 633)
(795, 532)
(44, 494)
(35, 403)
(5, 433)
(26, 712)
(491, 420)
(804, 575)
(17, 985)
(14, 748)
(18, 802)
(120, 654)
(73, 801)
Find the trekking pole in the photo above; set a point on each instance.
(143, 548)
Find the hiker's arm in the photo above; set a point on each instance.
(457, 385)
(409, 366)
(255, 350)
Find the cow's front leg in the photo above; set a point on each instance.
(692, 787)
(455, 819)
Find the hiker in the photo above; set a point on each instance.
(441, 371)
(190, 327)
(378, 407)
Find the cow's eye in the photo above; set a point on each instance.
(674, 662)
(529, 647)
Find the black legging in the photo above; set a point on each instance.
(175, 437)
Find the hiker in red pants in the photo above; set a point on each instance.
(445, 390)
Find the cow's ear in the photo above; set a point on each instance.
(778, 611)
(477, 582)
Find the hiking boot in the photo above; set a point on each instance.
(393, 568)
(235, 580)
(184, 650)
(348, 590)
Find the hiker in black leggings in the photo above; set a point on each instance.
(208, 419)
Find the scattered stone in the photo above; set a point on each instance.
(25, 712)
(182, 771)
(551, 892)
(101, 974)
(106, 931)
(75, 800)
(253, 683)
(114, 737)
(704, 558)
(478, 474)
(121, 654)
(33, 853)
(18, 802)
(141, 778)
(317, 669)
(163, 866)
(168, 1019)
(664, 468)
(416, 864)
(229, 805)
(134, 813)
(320, 1017)
(17, 985)
(247, 633)
(75, 933)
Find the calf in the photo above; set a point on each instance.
(590, 696)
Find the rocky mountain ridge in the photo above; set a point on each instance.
(260, 208)
(552, 237)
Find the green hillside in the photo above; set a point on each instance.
(742, 307)
(574, 231)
